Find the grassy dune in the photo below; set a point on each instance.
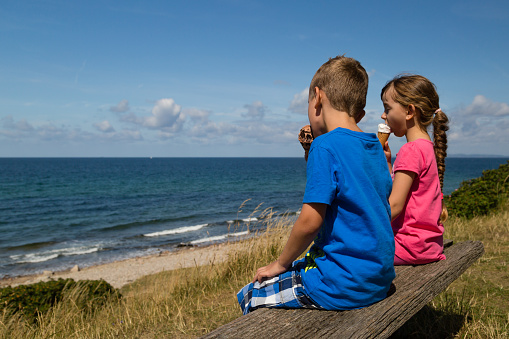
(187, 303)
(477, 304)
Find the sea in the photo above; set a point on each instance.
(59, 212)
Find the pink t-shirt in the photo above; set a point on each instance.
(418, 234)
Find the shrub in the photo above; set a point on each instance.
(30, 300)
(479, 196)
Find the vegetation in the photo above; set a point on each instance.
(188, 303)
(31, 301)
(475, 305)
(479, 196)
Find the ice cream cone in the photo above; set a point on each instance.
(305, 139)
(383, 133)
(383, 137)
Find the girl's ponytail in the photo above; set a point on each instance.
(440, 127)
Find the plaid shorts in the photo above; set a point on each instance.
(284, 291)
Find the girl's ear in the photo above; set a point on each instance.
(411, 112)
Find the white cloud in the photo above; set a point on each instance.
(482, 122)
(299, 103)
(480, 127)
(50, 131)
(131, 118)
(104, 126)
(197, 115)
(256, 110)
(167, 120)
(22, 125)
(123, 135)
(370, 121)
(47, 132)
(165, 114)
(482, 106)
(121, 107)
(166, 117)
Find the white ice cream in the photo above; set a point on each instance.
(383, 128)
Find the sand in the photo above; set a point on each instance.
(120, 273)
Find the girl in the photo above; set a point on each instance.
(410, 106)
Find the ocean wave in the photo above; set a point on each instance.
(218, 238)
(33, 258)
(175, 231)
(243, 220)
(53, 254)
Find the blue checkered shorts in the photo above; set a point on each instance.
(284, 291)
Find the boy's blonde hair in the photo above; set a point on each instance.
(345, 83)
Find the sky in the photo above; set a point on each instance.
(230, 78)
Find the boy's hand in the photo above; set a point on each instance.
(269, 271)
(303, 232)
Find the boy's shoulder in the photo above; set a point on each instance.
(340, 134)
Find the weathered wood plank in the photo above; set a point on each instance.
(413, 288)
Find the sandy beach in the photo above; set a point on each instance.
(120, 273)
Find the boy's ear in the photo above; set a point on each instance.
(318, 97)
(360, 116)
(411, 112)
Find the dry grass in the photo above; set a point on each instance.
(188, 303)
(477, 304)
(183, 303)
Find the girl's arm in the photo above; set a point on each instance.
(400, 189)
(302, 235)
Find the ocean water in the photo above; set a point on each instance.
(59, 212)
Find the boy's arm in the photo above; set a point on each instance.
(302, 235)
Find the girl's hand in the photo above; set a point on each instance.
(387, 151)
(269, 271)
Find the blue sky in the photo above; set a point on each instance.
(229, 78)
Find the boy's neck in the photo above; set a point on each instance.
(334, 119)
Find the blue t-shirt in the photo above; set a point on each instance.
(350, 264)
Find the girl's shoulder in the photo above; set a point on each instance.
(422, 146)
(414, 156)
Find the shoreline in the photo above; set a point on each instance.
(122, 272)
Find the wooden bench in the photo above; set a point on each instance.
(412, 289)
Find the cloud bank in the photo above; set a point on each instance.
(482, 121)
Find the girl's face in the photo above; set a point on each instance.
(395, 114)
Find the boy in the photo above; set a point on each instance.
(345, 208)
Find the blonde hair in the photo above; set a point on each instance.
(411, 89)
(345, 83)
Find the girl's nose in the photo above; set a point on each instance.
(384, 116)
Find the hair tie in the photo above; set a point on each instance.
(438, 110)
